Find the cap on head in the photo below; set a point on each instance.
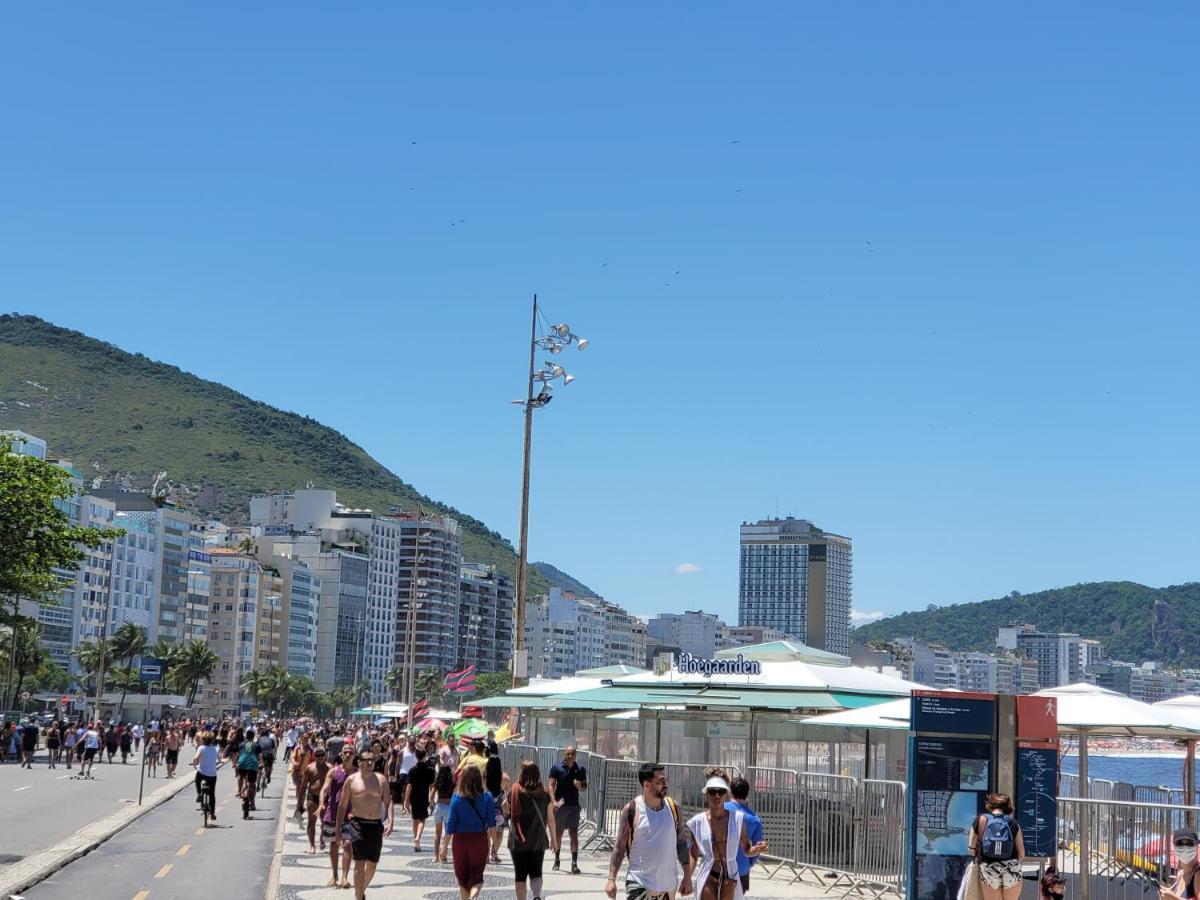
(1185, 834)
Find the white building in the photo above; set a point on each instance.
(485, 619)
(696, 632)
(565, 633)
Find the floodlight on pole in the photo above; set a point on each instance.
(558, 338)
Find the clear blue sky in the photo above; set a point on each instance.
(924, 274)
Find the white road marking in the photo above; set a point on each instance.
(27, 787)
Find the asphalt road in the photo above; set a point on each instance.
(167, 853)
(43, 806)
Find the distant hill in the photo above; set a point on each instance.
(125, 418)
(560, 579)
(1133, 622)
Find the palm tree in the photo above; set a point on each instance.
(394, 680)
(281, 687)
(196, 664)
(361, 692)
(170, 653)
(254, 683)
(92, 655)
(429, 685)
(31, 656)
(128, 642)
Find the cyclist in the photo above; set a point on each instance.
(266, 746)
(247, 770)
(205, 762)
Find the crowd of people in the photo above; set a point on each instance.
(350, 784)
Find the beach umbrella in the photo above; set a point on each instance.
(431, 724)
(469, 729)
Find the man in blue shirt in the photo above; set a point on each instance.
(739, 789)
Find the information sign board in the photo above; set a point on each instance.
(938, 712)
(1037, 799)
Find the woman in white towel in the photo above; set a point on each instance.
(717, 834)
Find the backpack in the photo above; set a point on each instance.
(631, 817)
(247, 759)
(997, 842)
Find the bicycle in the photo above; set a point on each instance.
(208, 800)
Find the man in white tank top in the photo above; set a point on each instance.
(654, 837)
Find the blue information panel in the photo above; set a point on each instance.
(152, 669)
(951, 781)
(952, 770)
(948, 713)
(1037, 799)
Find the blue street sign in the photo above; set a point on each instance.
(152, 669)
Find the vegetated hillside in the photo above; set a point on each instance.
(560, 579)
(1133, 622)
(126, 418)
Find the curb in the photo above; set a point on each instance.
(285, 807)
(44, 863)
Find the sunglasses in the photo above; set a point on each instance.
(1185, 843)
(716, 792)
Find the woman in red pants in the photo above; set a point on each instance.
(472, 811)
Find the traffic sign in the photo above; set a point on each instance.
(25, 695)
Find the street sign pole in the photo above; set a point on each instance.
(142, 776)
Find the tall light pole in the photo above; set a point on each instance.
(557, 338)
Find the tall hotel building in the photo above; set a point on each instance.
(796, 578)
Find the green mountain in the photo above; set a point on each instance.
(1133, 622)
(560, 579)
(127, 419)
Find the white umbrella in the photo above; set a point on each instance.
(1185, 711)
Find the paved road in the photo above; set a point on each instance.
(168, 854)
(43, 806)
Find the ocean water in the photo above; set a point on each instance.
(1155, 771)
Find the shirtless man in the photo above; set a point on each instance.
(311, 781)
(172, 745)
(366, 793)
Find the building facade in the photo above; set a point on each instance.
(235, 600)
(796, 578)
(565, 633)
(485, 619)
(696, 632)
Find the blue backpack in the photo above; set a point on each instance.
(997, 842)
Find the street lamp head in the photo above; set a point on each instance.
(555, 348)
(562, 329)
(556, 371)
(582, 342)
(568, 379)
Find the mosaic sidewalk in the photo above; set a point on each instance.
(404, 875)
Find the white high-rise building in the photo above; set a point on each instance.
(696, 632)
(797, 579)
(565, 633)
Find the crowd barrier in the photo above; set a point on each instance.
(846, 832)
(1117, 849)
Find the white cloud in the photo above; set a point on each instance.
(864, 618)
(688, 569)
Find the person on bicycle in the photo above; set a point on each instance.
(247, 770)
(205, 762)
(266, 746)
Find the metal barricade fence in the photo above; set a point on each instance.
(512, 755)
(828, 817)
(775, 797)
(547, 759)
(880, 855)
(1115, 850)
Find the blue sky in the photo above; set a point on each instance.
(925, 274)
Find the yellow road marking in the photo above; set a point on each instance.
(184, 849)
(141, 895)
(164, 871)
(199, 831)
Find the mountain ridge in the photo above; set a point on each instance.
(1133, 622)
(124, 417)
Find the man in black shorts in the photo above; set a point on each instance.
(567, 779)
(364, 795)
